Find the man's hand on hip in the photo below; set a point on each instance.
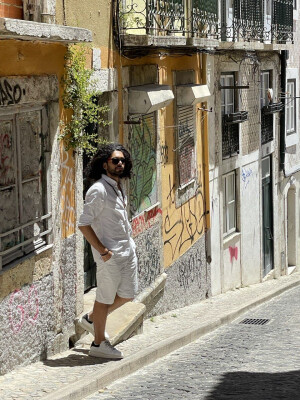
(107, 256)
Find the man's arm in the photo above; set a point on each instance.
(90, 235)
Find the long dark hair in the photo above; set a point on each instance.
(94, 169)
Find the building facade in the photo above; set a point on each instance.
(247, 212)
(40, 252)
(204, 95)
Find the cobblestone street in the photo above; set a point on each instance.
(237, 361)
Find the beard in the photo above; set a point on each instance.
(118, 172)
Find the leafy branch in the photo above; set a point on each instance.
(81, 97)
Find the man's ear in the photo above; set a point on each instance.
(105, 166)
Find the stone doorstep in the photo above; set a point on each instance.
(121, 324)
(125, 321)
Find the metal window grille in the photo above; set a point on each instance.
(186, 121)
(143, 146)
(230, 132)
(205, 18)
(266, 128)
(24, 215)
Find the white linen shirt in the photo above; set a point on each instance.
(105, 211)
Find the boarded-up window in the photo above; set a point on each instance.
(186, 144)
(23, 219)
(143, 184)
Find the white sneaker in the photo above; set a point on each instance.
(88, 325)
(105, 350)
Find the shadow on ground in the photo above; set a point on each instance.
(257, 386)
(79, 357)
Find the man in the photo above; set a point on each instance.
(104, 223)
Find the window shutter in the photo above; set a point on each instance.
(186, 143)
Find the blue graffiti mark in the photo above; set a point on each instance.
(246, 173)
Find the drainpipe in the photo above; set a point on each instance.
(283, 59)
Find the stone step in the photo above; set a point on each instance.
(122, 323)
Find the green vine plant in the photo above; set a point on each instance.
(81, 97)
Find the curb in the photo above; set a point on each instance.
(120, 369)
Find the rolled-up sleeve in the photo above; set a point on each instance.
(93, 206)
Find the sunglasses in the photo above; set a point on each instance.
(116, 160)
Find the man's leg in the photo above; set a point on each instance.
(99, 316)
(119, 301)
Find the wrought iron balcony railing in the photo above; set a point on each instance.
(247, 20)
(230, 139)
(193, 18)
(251, 20)
(266, 127)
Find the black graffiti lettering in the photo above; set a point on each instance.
(189, 224)
(8, 91)
(10, 94)
(191, 271)
(3, 95)
(17, 92)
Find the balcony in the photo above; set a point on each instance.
(254, 21)
(143, 23)
(167, 22)
(266, 127)
(230, 139)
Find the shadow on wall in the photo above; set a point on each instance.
(257, 386)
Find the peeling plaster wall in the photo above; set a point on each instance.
(26, 324)
(41, 294)
(188, 280)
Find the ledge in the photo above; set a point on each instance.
(253, 45)
(28, 30)
(153, 41)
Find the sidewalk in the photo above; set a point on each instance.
(75, 375)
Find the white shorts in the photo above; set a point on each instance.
(118, 276)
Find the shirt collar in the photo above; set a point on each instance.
(110, 180)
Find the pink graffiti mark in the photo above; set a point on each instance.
(233, 251)
(144, 221)
(22, 309)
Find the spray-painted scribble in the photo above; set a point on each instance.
(10, 93)
(191, 271)
(23, 308)
(143, 185)
(246, 173)
(7, 175)
(186, 227)
(233, 251)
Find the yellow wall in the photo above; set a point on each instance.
(94, 15)
(182, 225)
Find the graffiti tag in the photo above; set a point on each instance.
(10, 94)
(233, 251)
(23, 309)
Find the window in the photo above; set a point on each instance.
(24, 215)
(227, 95)
(229, 204)
(230, 129)
(264, 86)
(290, 106)
(186, 144)
(266, 98)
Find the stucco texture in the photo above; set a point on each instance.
(188, 280)
(26, 324)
